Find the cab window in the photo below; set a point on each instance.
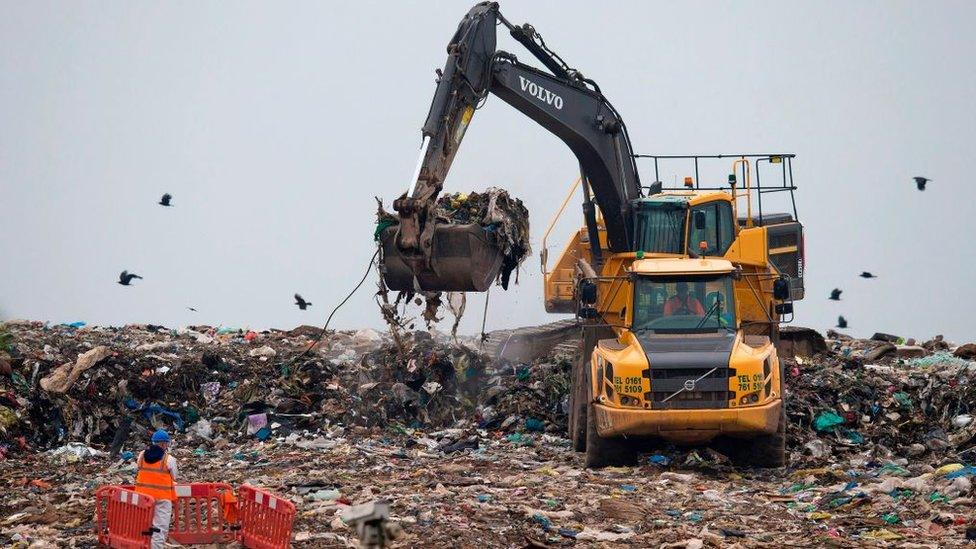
(661, 228)
(684, 304)
(711, 223)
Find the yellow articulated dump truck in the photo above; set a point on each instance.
(679, 335)
(678, 297)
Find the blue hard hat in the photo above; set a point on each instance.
(160, 436)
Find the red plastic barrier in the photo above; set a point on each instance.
(203, 514)
(123, 518)
(266, 519)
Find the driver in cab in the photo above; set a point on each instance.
(682, 303)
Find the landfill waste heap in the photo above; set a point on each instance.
(467, 450)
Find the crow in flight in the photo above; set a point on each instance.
(835, 294)
(302, 304)
(125, 278)
(866, 274)
(164, 201)
(841, 322)
(192, 309)
(921, 181)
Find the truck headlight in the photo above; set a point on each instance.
(629, 401)
(751, 398)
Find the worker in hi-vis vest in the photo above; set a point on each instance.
(156, 477)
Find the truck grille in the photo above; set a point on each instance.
(688, 373)
(710, 392)
(690, 400)
(679, 359)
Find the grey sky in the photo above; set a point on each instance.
(274, 125)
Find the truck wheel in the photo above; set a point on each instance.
(766, 451)
(578, 401)
(578, 404)
(770, 450)
(604, 452)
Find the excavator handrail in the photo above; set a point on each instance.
(544, 252)
(747, 171)
(784, 159)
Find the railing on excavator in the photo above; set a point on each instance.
(742, 168)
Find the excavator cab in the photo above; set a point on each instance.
(464, 258)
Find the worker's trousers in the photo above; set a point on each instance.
(161, 519)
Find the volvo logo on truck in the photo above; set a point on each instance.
(540, 93)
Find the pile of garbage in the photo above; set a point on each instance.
(887, 399)
(93, 385)
(463, 447)
(66, 384)
(437, 385)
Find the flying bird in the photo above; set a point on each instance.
(841, 322)
(302, 304)
(125, 278)
(866, 274)
(921, 181)
(191, 309)
(835, 294)
(164, 201)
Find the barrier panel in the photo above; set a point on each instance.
(123, 518)
(266, 519)
(204, 513)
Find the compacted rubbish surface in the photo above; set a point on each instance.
(471, 452)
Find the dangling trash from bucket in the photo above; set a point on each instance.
(478, 237)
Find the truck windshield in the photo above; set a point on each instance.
(688, 304)
(661, 227)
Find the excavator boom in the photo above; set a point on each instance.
(416, 251)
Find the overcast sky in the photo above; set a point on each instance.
(274, 125)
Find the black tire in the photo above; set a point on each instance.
(604, 452)
(768, 451)
(578, 403)
(764, 451)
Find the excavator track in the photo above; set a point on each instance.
(529, 343)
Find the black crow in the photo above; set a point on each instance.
(192, 309)
(125, 278)
(866, 274)
(921, 181)
(841, 322)
(302, 304)
(835, 294)
(164, 201)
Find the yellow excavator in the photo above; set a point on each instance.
(679, 291)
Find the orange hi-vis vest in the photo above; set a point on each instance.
(155, 479)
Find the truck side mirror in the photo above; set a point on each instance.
(781, 288)
(699, 220)
(587, 292)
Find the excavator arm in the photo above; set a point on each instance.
(562, 101)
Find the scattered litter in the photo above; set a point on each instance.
(461, 444)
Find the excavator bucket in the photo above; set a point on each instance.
(464, 258)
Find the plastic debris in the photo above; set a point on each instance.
(660, 460)
(352, 421)
(74, 451)
(827, 421)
